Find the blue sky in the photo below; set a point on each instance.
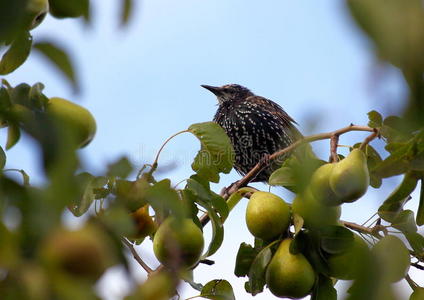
(143, 84)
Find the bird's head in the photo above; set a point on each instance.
(229, 92)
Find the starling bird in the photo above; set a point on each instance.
(256, 126)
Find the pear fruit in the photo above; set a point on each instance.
(313, 212)
(77, 119)
(320, 186)
(267, 215)
(393, 258)
(418, 294)
(84, 253)
(350, 178)
(289, 275)
(178, 243)
(346, 265)
(144, 224)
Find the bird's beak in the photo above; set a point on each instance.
(213, 89)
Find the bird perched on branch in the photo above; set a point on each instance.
(256, 126)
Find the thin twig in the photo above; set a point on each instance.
(136, 256)
(334, 141)
(418, 266)
(369, 138)
(411, 283)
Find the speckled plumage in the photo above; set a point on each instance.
(255, 125)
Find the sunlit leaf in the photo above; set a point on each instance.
(60, 59)
(375, 119)
(216, 154)
(218, 290)
(16, 55)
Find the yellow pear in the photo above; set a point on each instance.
(313, 212)
(320, 186)
(289, 275)
(178, 243)
(350, 177)
(267, 215)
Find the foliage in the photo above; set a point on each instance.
(122, 210)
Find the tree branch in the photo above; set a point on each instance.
(136, 256)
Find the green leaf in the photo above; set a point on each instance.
(298, 223)
(395, 164)
(37, 99)
(131, 193)
(420, 212)
(375, 119)
(70, 9)
(16, 55)
(187, 276)
(405, 221)
(324, 289)
(203, 192)
(336, 239)
(126, 11)
(204, 199)
(257, 270)
(13, 136)
(60, 59)
(2, 158)
(218, 290)
(121, 168)
(373, 159)
(244, 259)
(87, 184)
(392, 24)
(163, 198)
(216, 154)
(282, 177)
(5, 102)
(393, 205)
(416, 241)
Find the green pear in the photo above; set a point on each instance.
(267, 215)
(392, 257)
(350, 177)
(85, 253)
(75, 117)
(320, 186)
(178, 243)
(289, 275)
(346, 265)
(418, 294)
(314, 213)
